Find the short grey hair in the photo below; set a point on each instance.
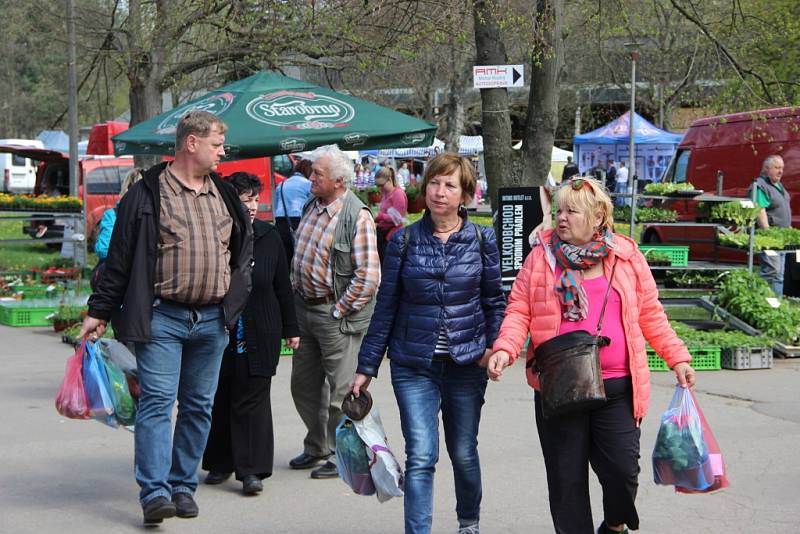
(770, 161)
(340, 164)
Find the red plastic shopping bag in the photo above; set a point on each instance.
(71, 398)
(714, 454)
(686, 454)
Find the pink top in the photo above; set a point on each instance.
(614, 358)
(396, 199)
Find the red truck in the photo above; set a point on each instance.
(731, 147)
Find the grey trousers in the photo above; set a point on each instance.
(325, 355)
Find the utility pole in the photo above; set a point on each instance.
(72, 95)
(633, 47)
(78, 225)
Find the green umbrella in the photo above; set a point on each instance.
(269, 114)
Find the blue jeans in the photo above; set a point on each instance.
(772, 270)
(181, 362)
(458, 391)
(621, 187)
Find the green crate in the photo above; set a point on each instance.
(26, 315)
(703, 359)
(37, 291)
(678, 255)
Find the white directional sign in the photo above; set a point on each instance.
(493, 76)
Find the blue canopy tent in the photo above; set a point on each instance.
(58, 140)
(654, 146)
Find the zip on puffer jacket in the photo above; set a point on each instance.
(456, 283)
(534, 309)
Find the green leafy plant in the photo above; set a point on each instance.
(725, 339)
(362, 196)
(622, 213)
(665, 188)
(734, 213)
(704, 279)
(742, 240)
(657, 258)
(412, 192)
(788, 237)
(69, 313)
(644, 215)
(745, 295)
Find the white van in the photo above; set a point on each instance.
(18, 173)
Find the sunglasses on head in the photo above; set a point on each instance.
(578, 183)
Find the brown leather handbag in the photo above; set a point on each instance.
(570, 378)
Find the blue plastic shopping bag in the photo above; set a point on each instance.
(95, 381)
(352, 460)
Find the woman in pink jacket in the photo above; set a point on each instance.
(560, 289)
(392, 210)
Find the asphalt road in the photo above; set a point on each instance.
(62, 476)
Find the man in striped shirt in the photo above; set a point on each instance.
(336, 275)
(177, 277)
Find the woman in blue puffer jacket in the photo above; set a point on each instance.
(438, 310)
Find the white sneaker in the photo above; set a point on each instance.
(470, 529)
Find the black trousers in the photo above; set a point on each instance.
(608, 439)
(241, 439)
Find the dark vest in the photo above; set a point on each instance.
(341, 261)
(779, 212)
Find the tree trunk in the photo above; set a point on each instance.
(455, 111)
(495, 117)
(145, 69)
(455, 119)
(542, 119)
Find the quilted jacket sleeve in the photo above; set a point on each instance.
(493, 301)
(516, 324)
(387, 303)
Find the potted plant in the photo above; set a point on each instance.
(66, 316)
(416, 202)
(374, 195)
(659, 259)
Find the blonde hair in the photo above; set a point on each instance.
(198, 123)
(388, 173)
(590, 198)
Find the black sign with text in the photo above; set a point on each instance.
(519, 212)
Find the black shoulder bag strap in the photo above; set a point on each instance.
(529, 363)
(605, 299)
(286, 214)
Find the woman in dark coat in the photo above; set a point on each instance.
(241, 440)
(438, 312)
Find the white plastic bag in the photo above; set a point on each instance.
(387, 475)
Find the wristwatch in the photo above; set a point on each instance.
(335, 313)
